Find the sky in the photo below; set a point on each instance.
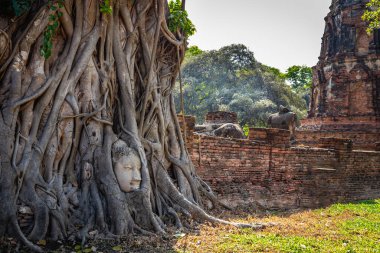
(281, 33)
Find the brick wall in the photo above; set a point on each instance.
(221, 117)
(246, 172)
(361, 140)
(273, 136)
(343, 124)
(345, 79)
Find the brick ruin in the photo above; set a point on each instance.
(336, 156)
(220, 117)
(345, 97)
(245, 172)
(266, 170)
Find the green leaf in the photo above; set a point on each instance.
(49, 44)
(42, 242)
(52, 17)
(117, 248)
(105, 7)
(55, 25)
(178, 19)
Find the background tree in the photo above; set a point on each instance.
(82, 85)
(232, 79)
(193, 51)
(300, 78)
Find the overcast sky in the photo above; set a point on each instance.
(281, 33)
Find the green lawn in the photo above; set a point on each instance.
(339, 228)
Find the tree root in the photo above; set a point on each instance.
(197, 213)
(109, 77)
(22, 237)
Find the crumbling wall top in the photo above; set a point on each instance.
(221, 117)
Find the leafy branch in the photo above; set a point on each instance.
(52, 27)
(179, 20)
(372, 15)
(105, 6)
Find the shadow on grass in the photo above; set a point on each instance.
(244, 212)
(367, 202)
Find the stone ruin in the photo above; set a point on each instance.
(268, 171)
(336, 153)
(345, 96)
(222, 124)
(346, 80)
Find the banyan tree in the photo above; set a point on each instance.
(89, 133)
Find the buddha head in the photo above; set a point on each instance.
(127, 166)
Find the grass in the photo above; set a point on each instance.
(339, 228)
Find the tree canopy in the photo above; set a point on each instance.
(232, 79)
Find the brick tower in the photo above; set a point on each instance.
(346, 80)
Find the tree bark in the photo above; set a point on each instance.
(109, 78)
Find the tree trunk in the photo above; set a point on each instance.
(89, 136)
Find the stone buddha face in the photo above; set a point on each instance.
(127, 166)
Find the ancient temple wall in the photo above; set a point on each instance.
(361, 140)
(346, 78)
(340, 90)
(221, 117)
(246, 172)
(342, 125)
(266, 170)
